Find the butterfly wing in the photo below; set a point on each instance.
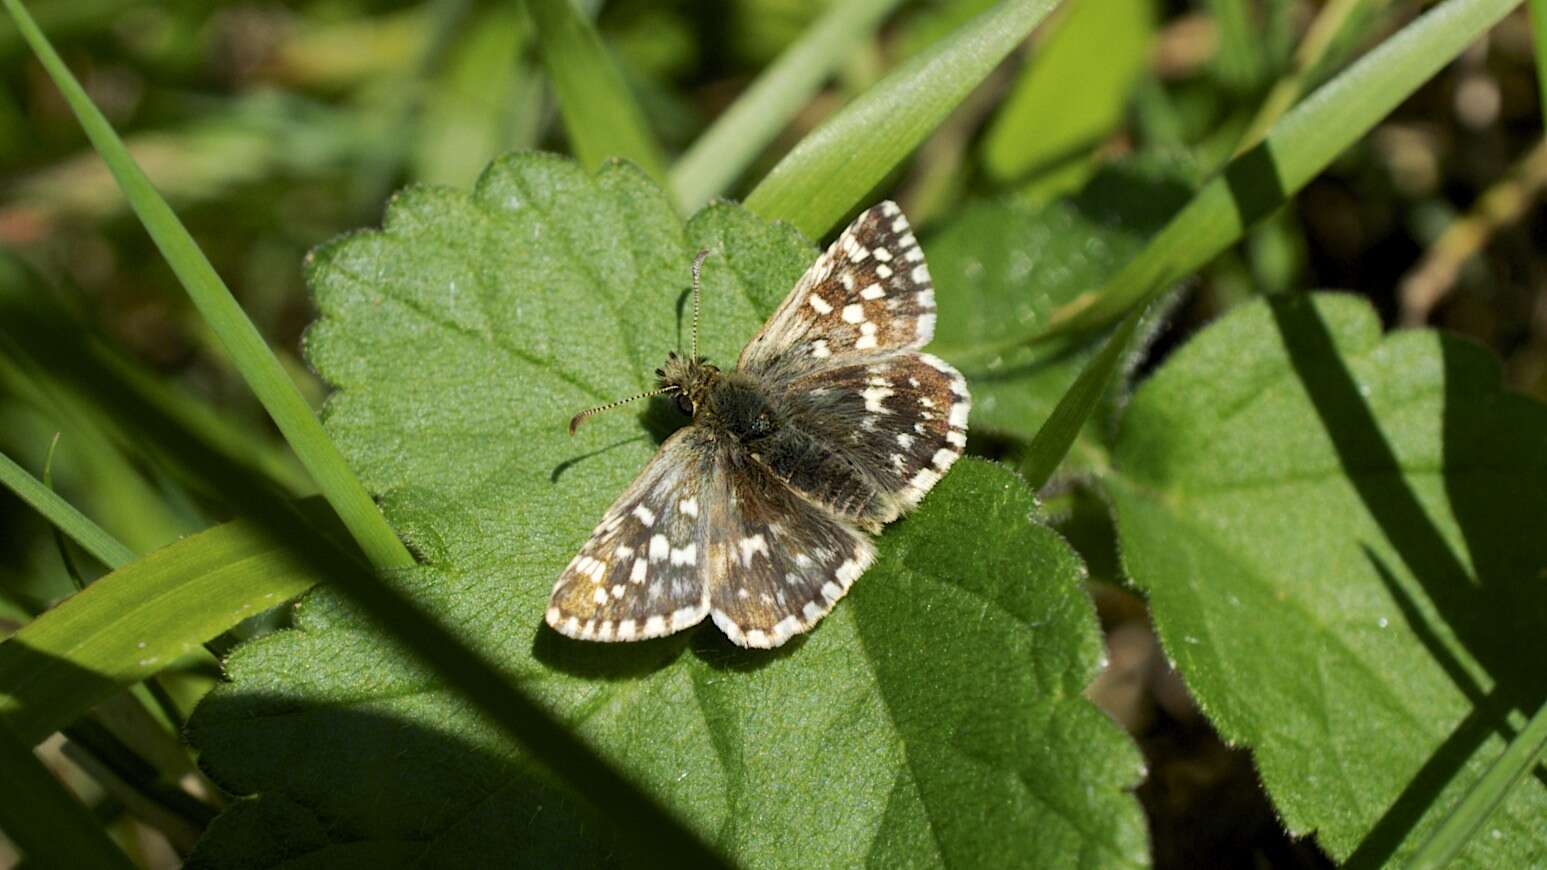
(870, 423)
(641, 574)
(777, 562)
(868, 293)
(705, 528)
(868, 437)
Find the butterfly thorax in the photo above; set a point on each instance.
(725, 404)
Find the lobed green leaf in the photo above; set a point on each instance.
(462, 337)
(1337, 533)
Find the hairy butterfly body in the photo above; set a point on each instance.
(760, 513)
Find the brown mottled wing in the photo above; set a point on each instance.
(777, 562)
(868, 293)
(868, 437)
(642, 572)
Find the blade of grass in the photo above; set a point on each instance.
(263, 373)
(59, 542)
(1301, 145)
(417, 632)
(63, 515)
(43, 819)
(1329, 22)
(1512, 765)
(1539, 45)
(1053, 440)
(599, 113)
(131, 623)
(741, 132)
(1239, 43)
(826, 175)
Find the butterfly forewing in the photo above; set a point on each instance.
(868, 293)
(640, 574)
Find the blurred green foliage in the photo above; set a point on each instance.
(273, 127)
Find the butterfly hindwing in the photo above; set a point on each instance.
(777, 562)
(641, 573)
(868, 293)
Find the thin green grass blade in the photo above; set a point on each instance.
(45, 821)
(132, 623)
(63, 516)
(1324, 28)
(1301, 145)
(1511, 767)
(258, 366)
(1239, 43)
(59, 542)
(734, 140)
(599, 113)
(1049, 446)
(1539, 43)
(833, 168)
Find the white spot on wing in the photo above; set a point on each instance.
(659, 548)
(821, 305)
(749, 546)
(645, 516)
(854, 313)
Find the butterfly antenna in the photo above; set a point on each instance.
(698, 263)
(575, 421)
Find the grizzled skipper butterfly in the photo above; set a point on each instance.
(760, 511)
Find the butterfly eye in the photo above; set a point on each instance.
(684, 404)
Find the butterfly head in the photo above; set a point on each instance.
(687, 380)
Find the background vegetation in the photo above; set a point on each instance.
(1307, 519)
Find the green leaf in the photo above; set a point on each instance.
(600, 115)
(840, 162)
(1522, 756)
(1003, 266)
(462, 337)
(1258, 182)
(132, 623)
(1339, 536)
(1047, 128)
(220, 310)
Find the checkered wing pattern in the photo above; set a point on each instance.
(870, 292)
(876, 433)
(778, 563)
(641, 574)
